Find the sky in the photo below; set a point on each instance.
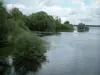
(75, 11)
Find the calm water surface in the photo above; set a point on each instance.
(73, 54)
(69, 53)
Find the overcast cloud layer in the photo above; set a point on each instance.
(76, 11)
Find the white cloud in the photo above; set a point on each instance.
(17, 5)
(96, 2)
(57, 11)
(48, 2)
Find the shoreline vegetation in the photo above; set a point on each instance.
(18, 41)
(18, 36)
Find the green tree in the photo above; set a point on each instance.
(66, 22)
(40, 21)
(29, 47)
(4, 32)
(26, 45)
(58, 24)
(3, 26)
(16, 14)
(81, 27)
(67, 27)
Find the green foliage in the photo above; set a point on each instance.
(57, 24)
(82, 27)
(40, 21)
(66, 27)
(3, 26)
(66, 22)
(26, 44)
(29, 46)
(15, 37)
(15, 29)
(24, 66)
(16, 14)
(5, 51)
(4, 33)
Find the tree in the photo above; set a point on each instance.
(40, 21)
(16, 39)
(66, 22)
(16, 14)
(58, 24)
(82, 27)
(3, 26)
(67, 27)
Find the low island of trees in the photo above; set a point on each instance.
(82, 27)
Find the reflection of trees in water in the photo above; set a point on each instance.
(5, 70)
(21, 66)
(24, 66)
(4, 64)
(2, 70)
(5, 67)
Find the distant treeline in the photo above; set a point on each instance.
(91, 25)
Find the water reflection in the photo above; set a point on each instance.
(75, 33)
(20, 66)
(69, 54)
(4, 64)
(4, 70)
(24, 66)
(73, 54)
(4, 60)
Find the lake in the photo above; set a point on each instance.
(69, 53)
(73, 53)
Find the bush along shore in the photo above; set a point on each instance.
(17, 40)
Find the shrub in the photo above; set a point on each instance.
(29, 47)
